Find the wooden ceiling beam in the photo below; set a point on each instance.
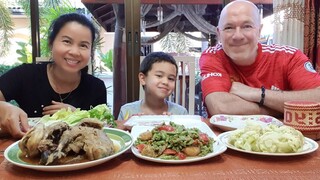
(171, 1)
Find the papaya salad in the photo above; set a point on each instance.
(174, 142)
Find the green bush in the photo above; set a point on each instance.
(5, 68)
(107, 58)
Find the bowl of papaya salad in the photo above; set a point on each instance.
(175, 143)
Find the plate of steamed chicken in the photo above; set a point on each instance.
(62, 147)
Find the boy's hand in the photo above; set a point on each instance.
(167, 113)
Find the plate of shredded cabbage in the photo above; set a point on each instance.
(232, 122)
(216, 147)
(281, 142)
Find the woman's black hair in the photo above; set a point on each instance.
(155, 57)
(62, 20)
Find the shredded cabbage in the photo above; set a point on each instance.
(271, 139)
(101, 112)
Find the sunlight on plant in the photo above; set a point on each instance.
(6, 29)
(24, 52)
(107, 59)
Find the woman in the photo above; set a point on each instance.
(42, 89)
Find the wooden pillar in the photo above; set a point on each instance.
(119, 61)
(35, 33)
(132, 15)
(126, 60)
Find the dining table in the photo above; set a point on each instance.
(231, 164)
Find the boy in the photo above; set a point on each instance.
(158, 73)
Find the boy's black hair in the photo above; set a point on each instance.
(155, 57)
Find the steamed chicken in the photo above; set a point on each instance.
(53, 143)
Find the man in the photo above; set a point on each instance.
(241, 76)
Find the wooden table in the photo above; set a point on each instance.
(229, 165)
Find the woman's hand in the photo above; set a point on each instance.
(56, 106)
(13, 120)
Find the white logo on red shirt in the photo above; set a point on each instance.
(308, 66)
(213, 74)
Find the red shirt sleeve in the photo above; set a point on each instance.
(215, 77)
(301, 74)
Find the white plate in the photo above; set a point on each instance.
(218, 147)
(33, 121)
(232, 122)
(119, 137)
(154, 120)
(308, 147)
